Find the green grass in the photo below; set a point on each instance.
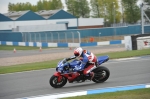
(9, 47)
(53, 63)
(132, 94)
(124, 54)
(28, 67)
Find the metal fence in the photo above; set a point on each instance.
(73, 37)
(128, 24)
(66, 37)
(85, 35)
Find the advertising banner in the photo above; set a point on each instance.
(128, 42)
(143, 42)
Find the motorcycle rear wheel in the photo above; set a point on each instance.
(101, 74)
(54, 82)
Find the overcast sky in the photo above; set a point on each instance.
(4, 4)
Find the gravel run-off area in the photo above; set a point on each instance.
(9, 61)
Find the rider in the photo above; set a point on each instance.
(88, 58)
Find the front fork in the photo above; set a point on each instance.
(60, 76)
(70, 77)
(57, 74)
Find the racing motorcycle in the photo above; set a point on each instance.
(64, 72)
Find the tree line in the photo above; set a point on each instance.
(41, 5)
(113, 11)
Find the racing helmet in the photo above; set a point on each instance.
(78, 51)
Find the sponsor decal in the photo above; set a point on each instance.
(146, 43)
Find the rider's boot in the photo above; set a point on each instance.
(91, 75)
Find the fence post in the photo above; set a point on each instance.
(58, 37)
(114, 19)
(25, 37)
(45, 37)
(39, 37)
(29, 36)
(142, 19)
(51, 36)
(65, 37)
(72, 37)
(22, 36)
(35, 37)
(79, 36)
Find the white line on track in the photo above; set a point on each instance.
(82, 92)
(120, 61)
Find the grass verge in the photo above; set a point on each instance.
(132, 94)
(28, 67)
(53, 63)
(126, 54)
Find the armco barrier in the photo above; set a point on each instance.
(115, 42)
(92, 91)
(43, 44)
(89, 44)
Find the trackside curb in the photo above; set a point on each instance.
(90, 91)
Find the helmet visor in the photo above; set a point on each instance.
(76, 54)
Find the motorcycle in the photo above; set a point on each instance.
(64, 72)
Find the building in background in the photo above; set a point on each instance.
(15, 19)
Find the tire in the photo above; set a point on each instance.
(101, 74)
(53, 82)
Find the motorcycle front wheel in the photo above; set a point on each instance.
(101, 74)
(54, 82)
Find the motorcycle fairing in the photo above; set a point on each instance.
(102, 59)
(75, 63)
(69, 76)
(58, 75)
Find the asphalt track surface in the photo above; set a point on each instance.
(5, 54)
(34, 83)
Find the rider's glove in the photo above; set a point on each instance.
(64, 61)
(67, 59)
